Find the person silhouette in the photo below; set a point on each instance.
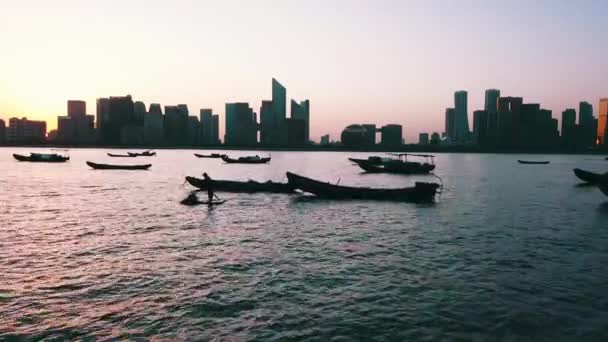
(210, 193)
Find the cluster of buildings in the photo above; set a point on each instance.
(509, 123)
(361, 136)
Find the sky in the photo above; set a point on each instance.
(373, 61)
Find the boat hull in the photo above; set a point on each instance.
(421, 192)
(38, 158)
(229, 160)
(533, 162)
(120, 155)
(215, 156)
(97, 166)
(398, 168)
(587, 176)
(235, 186)
(144, 154)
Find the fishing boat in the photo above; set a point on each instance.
(42, 158)
(421, 192)
(193, 200)
(533, 162)
(142, 154)
(212, 155)
(121, 155)
(236, 186)
(246, 160)
(589, 177)
(98, 166)
(400, 164)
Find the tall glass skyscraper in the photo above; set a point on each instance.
(462, 115)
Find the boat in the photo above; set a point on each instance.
(42, 158)
(400, 165)
(533, 162)
(237, 186)
(98, 166)
(246, 160)
(421, 192)
(193, 200)
(121, 155)
(142, 154)
(212, 155)
(589, 177)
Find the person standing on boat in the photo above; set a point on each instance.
(210, 193)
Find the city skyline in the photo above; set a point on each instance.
(406, 77)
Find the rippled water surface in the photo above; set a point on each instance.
(509, 252)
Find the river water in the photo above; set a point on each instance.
(508, 252)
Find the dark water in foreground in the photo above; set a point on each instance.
(509, 252)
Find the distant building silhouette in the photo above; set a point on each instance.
(115, 114)
(267, 125)
(569, 129)
(176, 125)
(587, 124)
(462, 116)
(509, 112)
(278, 130)
(139, 109)
(423, 139)
(209, 127)
(602, 125)
(480, 127)
(435, 138)
(391, 135)
(301, 111)
(103, 113)
(2, 132)
(194, 131)
(241, 127)
(325, 139)
(77, 127)
(371, 134)
(154, 130)
(296, 132)
(355, 136)
(25, 131)
(450, 124)
(491, 108)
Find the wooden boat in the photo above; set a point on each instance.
(193, 200)
(589, 177)
(421, 192)
(236, 186)
(533, 162)
(121, 155)
(400, 165)
(212, 155)
(245, 160)
(142, 154)
(97, 166)
(42, 158)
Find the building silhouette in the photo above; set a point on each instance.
(266, 122)
(176, 125)
(423, 139)
(508, 121)
(77, 127)
(491, 108)
(2, 132)
(391, 135)
(296, 132)
(450, 124)
(241, 128)
(355, 136)
(602, 123)
(569, 129)
(24, 131)
(325, 139)
(114, 115)
(435, 138)
(194, 131)
(588, 125)
(370, 136)
(102, 114)
(461, 121)
(480, 127)
(154, 130)
(209, 127)
(278, 134)
(301, 111)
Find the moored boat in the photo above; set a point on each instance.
(400, 165)
(237, 186)
(421, 192)
(246, 160)
(587, 176)
(98, 166)
(533, 162)
(42, 158)
(121, 155)
(212, 155)
(142, 154)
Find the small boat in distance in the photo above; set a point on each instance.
(212, 155)
(142, 154)
(246, 160)
(98, 166)
(589, 177)
(42, 158)
(421, 192)
(400, 165)
(533, 162)
(236, 186)
(121, 155)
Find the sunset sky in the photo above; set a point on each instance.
(369, 61)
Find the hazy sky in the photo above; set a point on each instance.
(357, 61)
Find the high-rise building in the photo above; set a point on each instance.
(423, 139)
(588, 127)
(266, 122)
(435, 138)
(176, 125)
(462, 116)
(215, 132)
(325, 139)
(507, 127)
(491, 107)
(240, 125)
(370, 134)
(480, 127)
(569, 128)
(302, 111)
(154, 126)
(207, 129)
(391, 135)
(103, 113)
(77, 108)
(450, 123)
(279, 132)
(114, 118)
(194, 131)
(25, 131)
(296, 132)
(2, 132)
(602, 123)
(139, 109)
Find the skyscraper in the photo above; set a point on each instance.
(208, 128)
(154, 125)
(301, 111)
(602, 125)
(2, 132)
(103, 113)
(240, 125)
(569, 128)
(462, 116)
(391, 135)
(491, 108)
(450, 123)
(586, 122)
(279, 131)
(266, 122)
(77, 127)
(480, 127)
(77, 108)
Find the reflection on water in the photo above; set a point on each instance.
(509, 251)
